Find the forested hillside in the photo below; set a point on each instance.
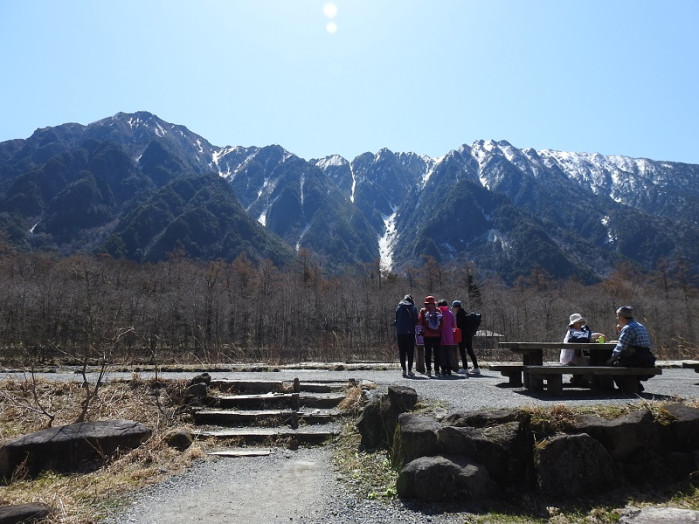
(81, 307)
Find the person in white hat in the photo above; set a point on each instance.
(578, 331)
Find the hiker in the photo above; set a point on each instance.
(430, 318)
(406, 319)
(446, 345)
(633, 347)
(468, 324)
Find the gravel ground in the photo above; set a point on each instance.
(302, 486)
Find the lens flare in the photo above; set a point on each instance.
(330, 10)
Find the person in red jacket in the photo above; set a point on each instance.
(431, 320)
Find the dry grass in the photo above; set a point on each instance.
(83, 498)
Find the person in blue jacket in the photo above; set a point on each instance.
(406, 319)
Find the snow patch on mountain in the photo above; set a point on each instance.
(387, 242)
(611, 236)
(303, 234)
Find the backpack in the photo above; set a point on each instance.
(473, 320)
(432, 319)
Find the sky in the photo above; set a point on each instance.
(616, 77)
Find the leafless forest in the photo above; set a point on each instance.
(79, 308)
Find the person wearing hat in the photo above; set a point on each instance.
(578, 331)
(430, 318)
(466, 344)
(633, 347)
(406, 319)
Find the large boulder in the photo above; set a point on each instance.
(681, 434)
(444, 478)
(416, 436)
(484, 419)
(379, 418)
(83, 446)
(572, 466)
(24, 513)
(631, 437)
(506, 450)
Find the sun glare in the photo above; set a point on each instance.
(330, 10)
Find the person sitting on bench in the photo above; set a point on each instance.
(633, 347)
(578, 331)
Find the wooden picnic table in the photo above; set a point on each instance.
(533, 352)
(533, 355)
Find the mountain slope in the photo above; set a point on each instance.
(138, 187)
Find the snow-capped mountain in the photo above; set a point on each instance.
(136, 186)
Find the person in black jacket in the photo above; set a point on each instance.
(406, 319)
(466, 344)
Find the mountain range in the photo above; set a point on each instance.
(136, 187)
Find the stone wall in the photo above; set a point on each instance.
(496, 454)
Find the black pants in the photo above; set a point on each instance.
(406, 351)
(432, 346)
(634, 357)
(466, 345)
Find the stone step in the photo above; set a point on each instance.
(277, 386)
(235, 417)
(290, 400)
(306, 434)
(258, 401)
(251, 386)
(241, 452)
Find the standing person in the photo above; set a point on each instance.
(633, 347)
(468, 329)
(430, 318)
(406, 319)
(447, 340)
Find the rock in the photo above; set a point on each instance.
(483, 419)
(82, 446)
(570, 466)
(204, 378)
(505, 450)
(658, 516)
(180, 440)
(24, 513)
(370, 426)
(633, 436)
(416, 436)
(400, 399)
(681, 433)
(379, 418)
(196, 394)
(444, 478)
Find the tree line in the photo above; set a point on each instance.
(56, 308)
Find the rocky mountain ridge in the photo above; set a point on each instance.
(114, 186)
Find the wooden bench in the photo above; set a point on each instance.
(691, 365)
(601, 377)
(512, 372)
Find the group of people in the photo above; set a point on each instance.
(632, 347)
(435, 325)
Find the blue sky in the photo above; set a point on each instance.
(354, 76)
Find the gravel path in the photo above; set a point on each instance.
(302, 486)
